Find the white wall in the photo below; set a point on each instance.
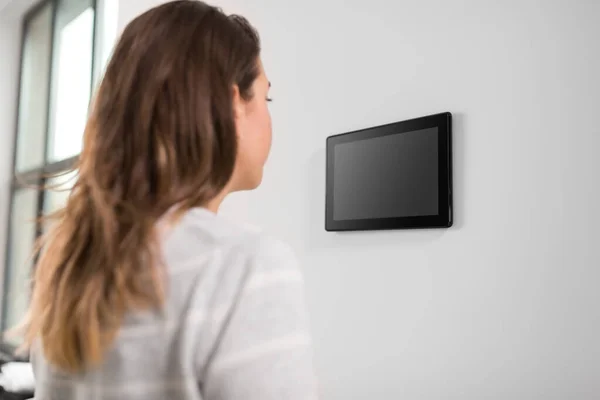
(10, 42)
(13, 10)
(505, 305)
(9, 51)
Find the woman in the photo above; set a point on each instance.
(142, 291)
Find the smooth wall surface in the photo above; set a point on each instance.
(10, 43)
(505, 305)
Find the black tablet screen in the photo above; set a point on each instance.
(385, 177)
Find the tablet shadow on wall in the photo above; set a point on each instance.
(318, 238)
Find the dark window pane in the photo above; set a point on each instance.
(33, 100)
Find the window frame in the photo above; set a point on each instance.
(36, 177)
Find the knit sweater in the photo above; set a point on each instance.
(234, 326)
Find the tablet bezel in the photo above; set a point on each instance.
(444, 219)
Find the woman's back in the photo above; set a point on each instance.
(233, 326)
(141, 290)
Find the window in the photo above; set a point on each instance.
(62, 55)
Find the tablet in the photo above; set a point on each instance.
(395, 176)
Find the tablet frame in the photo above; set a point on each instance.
(444, 219)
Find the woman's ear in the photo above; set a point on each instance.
(238, 103)
(239, 111)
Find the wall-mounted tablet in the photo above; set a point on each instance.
(394, 176)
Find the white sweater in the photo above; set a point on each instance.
(235, 326)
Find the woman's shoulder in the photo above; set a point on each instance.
(262, 244)
(244, 242)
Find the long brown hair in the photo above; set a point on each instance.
(160, 137)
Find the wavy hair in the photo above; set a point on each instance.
(161, 136)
